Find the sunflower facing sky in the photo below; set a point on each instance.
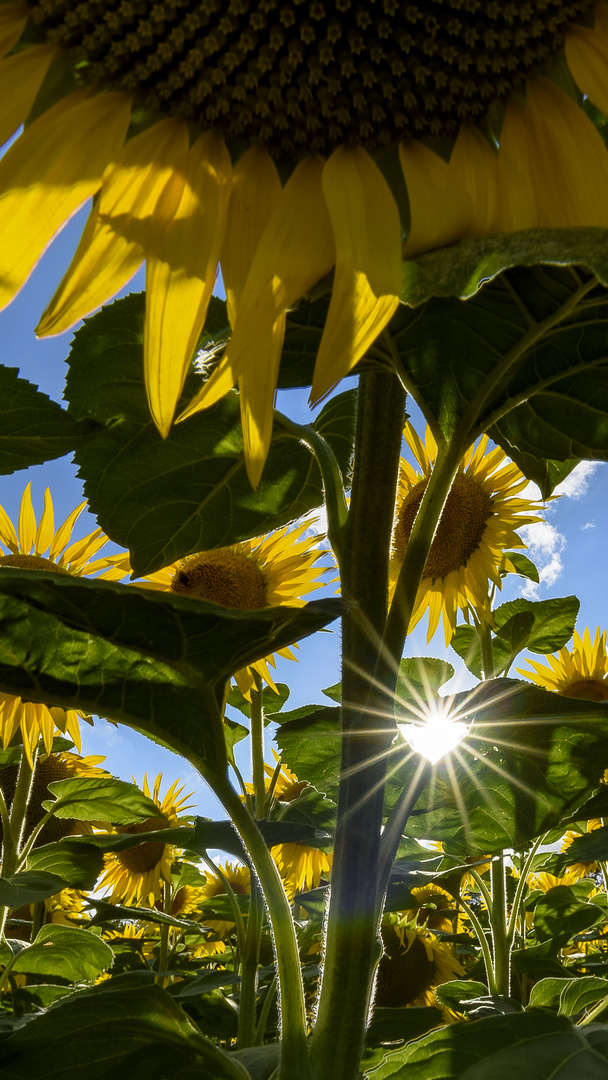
(281, 142)
(477, 526)
(39, 546)
(580, 672)
(268, 571)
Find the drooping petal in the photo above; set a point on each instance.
(552, 163)
(13, 18)
(257, 390)
(440, 207)
(294, 252)
(49, 172)
(27, 521)
(587, 57)
(367, 285)
(139, 196)
(256, 189)
(46, 527)
(475, 164)
(179, 281)
(20, 80)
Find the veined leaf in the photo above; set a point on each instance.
(65, 951)
(29, 887)
(33, 428)
(89, 798)
(157, 662)
(559, 914)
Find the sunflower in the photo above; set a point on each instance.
(580, 672)
(581, 868)
(49, 769)
(478, 523)
(413, 963)
(38, 546)
(545, 881)
(134, 875)
(435, 908)
(239, 879)
(313, 133)
(274, 570)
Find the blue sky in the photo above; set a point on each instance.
(570, 548)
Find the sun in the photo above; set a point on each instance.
(478, 524)
(435, 735)
(282, 142)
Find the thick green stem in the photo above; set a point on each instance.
(498, 922)
(521, 885)
(352, 947)
(257, 747)
(487, 650)
(483, 942)
(163, 953)
(294, 1050)
(251, 946)
(14, 834)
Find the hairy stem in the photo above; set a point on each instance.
(498, 922)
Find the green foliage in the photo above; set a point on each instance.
(33, 428)
(98, 798)
(272, 702)
(64, 952)
(29, 887)
(542, 626)
(559, 914)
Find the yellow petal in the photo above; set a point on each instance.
(8, 536)
(214, 389)
(552, 163)
(65, 531)
(20, 80)
(140, 194)
(46, 175)
(367, 284)
(257, 390)
(440, 207)
(46, 528)
(27, 522)
(256, 189)
(179, 284)
(13, 18)
(587, 57)
(475, 164)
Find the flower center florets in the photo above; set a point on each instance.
(459, 533)
(226, 577)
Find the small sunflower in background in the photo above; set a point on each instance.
(134, 876)
(581, 868)
(49, 769)
(579, 672)
(333, 109)
(39, 546)
(478, 523)
(239, 879)
(545, 881)
(413, 963)
(274, 570)
(435, 908)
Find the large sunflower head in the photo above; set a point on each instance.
(580, 672)
(413, 963)
(134, 876)
(39, 546)
(274, 570)
(478, 523)
(298, 112)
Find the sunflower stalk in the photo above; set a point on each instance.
(251, 945)
(498, 922)
(352, 947)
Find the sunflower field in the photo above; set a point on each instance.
(406, 884)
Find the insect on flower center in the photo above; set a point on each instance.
(465, 515)
(226, 577)
(589, 689)
(300, 75)
(32, 562)
(144, 857)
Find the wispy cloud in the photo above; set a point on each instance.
(589, 525)
(545, 545)
(576, 484)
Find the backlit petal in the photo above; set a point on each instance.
(256, 189)
(367, 285)
(257, 390)
(27, 522)
(64, 531)
(20, 80)
(179, 284)
(46, 528)
(552, 163)
(8, 536)
(13, 18)
(46, 175)
(475, 164)
(587, 56)
(440, 207)
(139, 196)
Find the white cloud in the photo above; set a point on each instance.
(576, 484)
(545, 544)
(589, 525)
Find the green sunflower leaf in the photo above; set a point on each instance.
(523, 565)
(77, 863)
(155, 661)
(29, 887)
(272, 702)
(530, 758)
(99, 798)
(65, 952)
(115, 1031)
(578, 995)
(525, 359)
(527, 1045)
(542, 626)
(559, 914)
(164, 498)
(310, 747)
(420, 677)
(592, 847)
(33, 428)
